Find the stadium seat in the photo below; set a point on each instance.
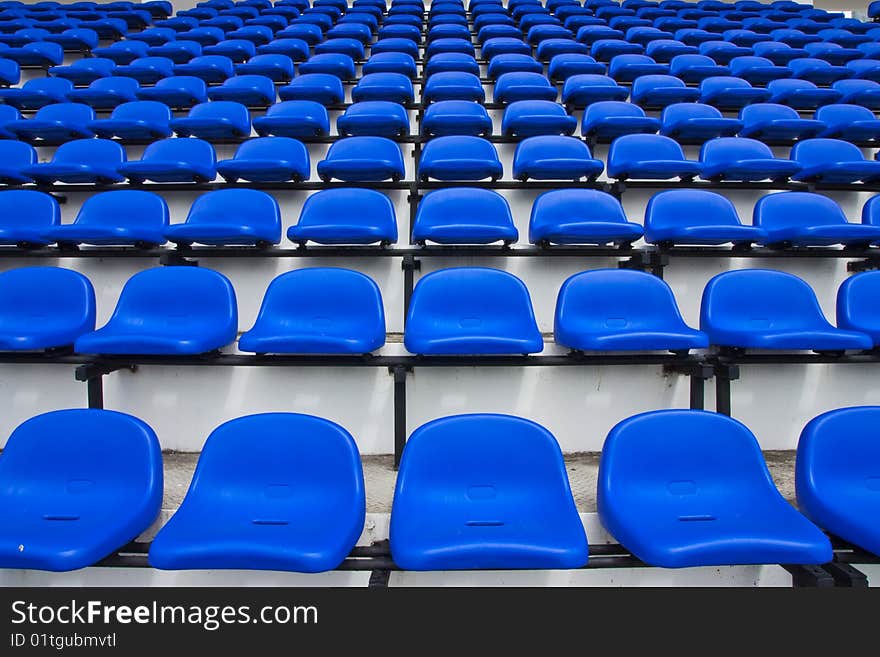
(341, 66)
(683, 488)
(696, 216)
(206, 36)
(311, 34)
(84, 71)
(200, 317)
(146, 70)
(696, 122)
(859, 92)
(730, 93)
(176, 91)
(649, 156)
(106, 93)
(833, 53)
(55, 123)
(582, 90)
(848, 122)
(141, 120)
(7, 114)
(308, 521)
(563, 66)
(296, 49)
(657, 91)
(229, 217)
(179, 51)
(453, 85)
(219, 119)
(37, 93)
(294, 118)
(249, 90)
(391, 62)
(621, 310)
(77, 39)
(471, 310)
(238, 50)
(15, 156)
(626, 68)
(267, 159)
(319, 87)
(610, 119)
(362, 159)
(27, 215)
(833, 161)
(456, 117)
(856, 310)
(665, 50)
(459, 157)
(604, 50)
(345, 216)
(511, 87)
(380, 118)
(351, 47)
(173, 160)
(451, 62)
(463, 215)
(78, 485)
(765, 309)
(580, 216)
(505, 46)
(865, 69)
(817, 71)
(319, 310)
(771, 122)
(794, 38)
(519, 514)
(739, 158)
(801, 94)
(722, 52)
(757, 70)
(154, 36)
(804, 219)
(396, 45)
(527, 118)
(41, 53)
(391, 87)
(276, 67)
(778, 53)
(516, 63)
(79, 161)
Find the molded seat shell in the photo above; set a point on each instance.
(15, 156)
(345, 216)
(340, 66)
(580, 216)
(609, 119)
(621, 310)
(801, 94)
(521, 514)
(106, 93)
(391, 62)
(549, 157)
(37, 93)
(379, 118)
(471, 310)
(517, 63)
(848, 122)
(392, 87)
(358, 159)
(684, 488)
(452, 61)
(294, 118)
(453, 85)
(230, 217)
(859, 92)
(456, 117)
(626, 68)
(147, 70)
(84, 71)
(527, 118)
(78, 485)
(833, 161)
(319, 310)
(80, 161)
(250, 90)
(772, 122)
(55, 123)
(462, 215)
(297, 504)
(740, 158)
(176, 91)
(27, 214)
(511, 87)
(173, 160)
(125, 217)
(764, 309)
(696, 122)
(649, 156)
(218, 119)
(662, 90)
(459, 157)
(585, 89)
(730, 93)
(856, 310)
(199, 317)
(267, 159)
(563, 66)
(138, 120)
(696, 216)
(319, 87)
(805, 219)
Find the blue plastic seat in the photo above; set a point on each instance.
(456, 117)
(76, 39)
(626, 68)
(589, 34)
(392, 87)
(345, 216)
(294, 118)
(656, 91)
(621, 310)
(321, 310)
(730, 93)
(69, 502)
(362, 159)
(342, 66)
(463, 215)
(817, 71)
(505, 46)
(205, 36)
(106, 93)
(609, 119)
(649, 156)
(696, 122)
(865, 69)
(173, 160)
(683, 488)
(391, 62)
(296, 49)
(722, 52)
(521, 515)
(79, 161)
(757, 70)
(399, 45)
(210, 68)
(563, 66)
(10, 72)
(37, 93)
(740, 158)
(696, 216)
(459, 157)
(40, 53)
(772, 122)
(526, 118)
(309, 33)
(512, 87)
(219, 119)
(746, 38)
(142, 120)
(154, 36)
(238, 50)
(516, 63)
(764, 309)
(582, 90)
(833, 161)
(549, 48)
(804, 219)
(580, 216)
(7, 115)
(27, 214)
(837, 459)
(230, 217)
(856, 310)
(351, 47)
(554, 157)
(176, 91)
(275, 67)
(84, 71)
(801, 94)
(452, 62)
(319, 87)
(604, 50)
(15, 156)
(665, 50)
(856, 92)
(267, 159)
(400, 31)
(55, 123)
(373, 118)
(794, 37)
(833, 53)
(777, 52)
(200, 317)
(453, 85)
(146, 70)
(848, 122)
(179, 51)
(471, 310)
(118, 218)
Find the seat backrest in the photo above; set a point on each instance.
(444, 206)
(722, 82)
(120, 85)
(683, 111)
(273, 148)
(681, 63)
(855, 86)
(732, 149)
(261, 83)
(683, 461)
(143, 110)
(17, 153)
(27, 207)
(162, 64)
(611, 108)
(646, 83)
(73, 113)
(759, 298)
(574, 206)
(125, 207)
(190, 150)
(347, 206)
(792, 209)
(53, 86)
(760, 112)
(804, 63)
(230, 110)
(364, 148)
(44, 295)
(520, 78)
(856, 309)
(633, 148)
(816, 152)
(251, 206)
(690, 207)
(457, 147)
(99, 64)
(90, 151)
(188, 83)
(221, 62)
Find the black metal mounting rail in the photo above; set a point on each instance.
(376, 559)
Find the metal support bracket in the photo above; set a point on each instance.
(652, 262)
(699, 373)
(724, 374)
(93, 375)
(846, 576)
(177, 259)
(399, 373)
(809, 576)
(410, 264)
(868, 264)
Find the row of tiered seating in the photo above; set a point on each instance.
(457, 311)
(676, 488)
(462, 215)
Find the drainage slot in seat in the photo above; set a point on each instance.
(484, 523)
(704, 518)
